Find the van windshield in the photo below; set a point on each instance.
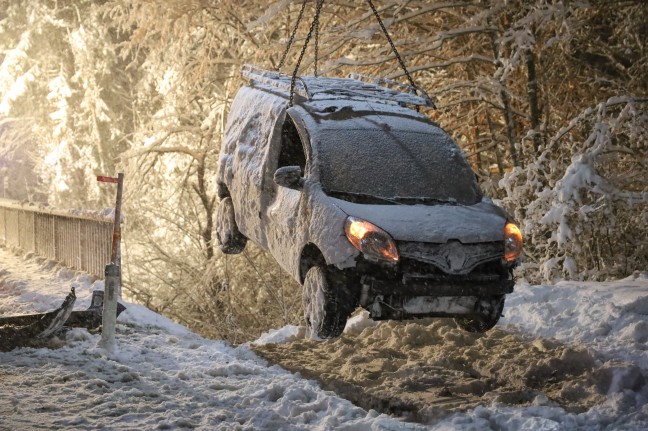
(397, 167)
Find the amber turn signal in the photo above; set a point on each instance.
(512, 242)
(370, 239)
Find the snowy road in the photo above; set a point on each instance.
(161, 377)
(165, 377)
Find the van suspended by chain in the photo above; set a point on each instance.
(362, 200)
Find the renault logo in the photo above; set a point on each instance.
(454, 256)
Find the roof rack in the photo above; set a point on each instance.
(356, 85)
(275, 79)
(393, 85)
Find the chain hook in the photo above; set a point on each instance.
(314, 24)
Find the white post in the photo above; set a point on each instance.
(112, 283)
(109, 314)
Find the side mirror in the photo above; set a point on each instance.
(290, 177)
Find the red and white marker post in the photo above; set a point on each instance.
(112, 282)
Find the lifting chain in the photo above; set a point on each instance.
(314, 27)
(314, 24)
(292, 36)
(317, 26)
(391, 43)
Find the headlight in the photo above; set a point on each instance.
(512, 242)
(370, 239)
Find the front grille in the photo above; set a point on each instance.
(418, 274)
(412, 278)
(451, 257)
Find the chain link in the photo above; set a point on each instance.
(315, 23)
(292, 36)
(317, 26)
(391, 43)
(314, 27)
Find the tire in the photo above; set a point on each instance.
(489, 310)
(327, 306)
(230, 239)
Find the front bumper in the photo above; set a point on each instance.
(430, 298)
(440, 286)
(412, 289)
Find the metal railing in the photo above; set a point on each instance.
(77, 241)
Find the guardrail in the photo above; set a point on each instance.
(82, 242)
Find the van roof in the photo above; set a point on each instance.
(356, 87)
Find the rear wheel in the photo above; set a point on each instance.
(488, 311)
(231, 240)
(327, 305)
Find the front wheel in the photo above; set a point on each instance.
(326, 306)
(488, 311)
(231, 240)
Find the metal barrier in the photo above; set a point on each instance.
(77, 241)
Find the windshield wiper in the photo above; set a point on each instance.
(396, 200)
(365, 197)
(426, 200)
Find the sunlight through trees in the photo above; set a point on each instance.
(546, 98)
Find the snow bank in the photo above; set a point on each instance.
(161, 376)
(610, 317)
(519, 376)
(21, 292)
(283, 335)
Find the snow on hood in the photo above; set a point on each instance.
(482, 222)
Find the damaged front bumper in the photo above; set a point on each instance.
(416, 289)
(388, 300)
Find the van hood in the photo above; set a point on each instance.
(482, 222)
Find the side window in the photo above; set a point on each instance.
(292, 149)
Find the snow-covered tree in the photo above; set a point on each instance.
(547, 99)
(60, 74)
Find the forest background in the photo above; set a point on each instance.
(546, 98)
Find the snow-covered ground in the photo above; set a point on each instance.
(162, 376)
(609, 317)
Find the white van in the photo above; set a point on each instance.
(364, 201)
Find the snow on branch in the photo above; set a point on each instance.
(431, 44)
(269, 15)
(580, 215)
(447, 63)
(154, 147)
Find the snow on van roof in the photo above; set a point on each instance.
(355, 87)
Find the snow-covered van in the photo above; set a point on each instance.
(364, 201)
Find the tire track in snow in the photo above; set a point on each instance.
(426, 370)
